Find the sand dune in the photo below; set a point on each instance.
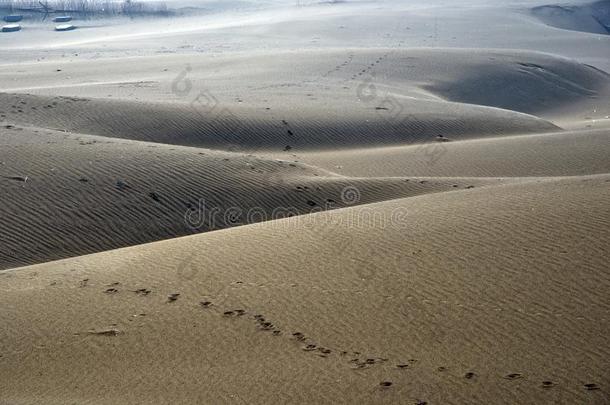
(94, 188)
(520, 301)
(593, 17)
(253, 130)
(569, 153)
(307, 202)
(356, 98)
(69, 194)
(528, 83)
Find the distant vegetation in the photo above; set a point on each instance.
(84, 8)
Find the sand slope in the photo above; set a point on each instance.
(86, 194)
(591, 17)
(352, 97)
(569, 153)
(520, 301)
(248, 129)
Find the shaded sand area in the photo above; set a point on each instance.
(357, 202)
(119, 193)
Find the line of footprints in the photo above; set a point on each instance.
(306, 344)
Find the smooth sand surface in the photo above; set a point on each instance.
(351, 202)
(567, 153)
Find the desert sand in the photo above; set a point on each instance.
(302, 202)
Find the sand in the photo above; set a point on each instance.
(509, 282)
(358, 202)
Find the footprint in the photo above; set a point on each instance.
(22, 179)
(470, 375)
(142, 291)
(548, 384)
(266, 325)
(105, 332)
(173, 297)
(592, 387)
(513, 376)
